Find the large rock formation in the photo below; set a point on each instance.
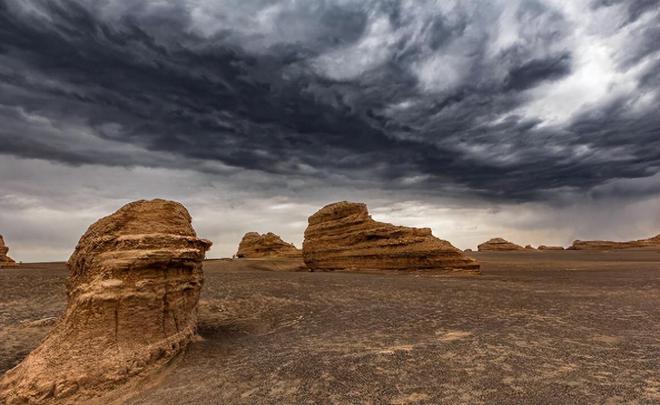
(254, 245)
(498, 244)
(653, 242)
(134, 282)
(5, 261)
(544, 247)
(342, 236)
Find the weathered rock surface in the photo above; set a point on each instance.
(134, 283)
(544, 247)
(529, 247)
(5, 261)
(498, 244)
(653, 242)
(343, 236)
(254, 245)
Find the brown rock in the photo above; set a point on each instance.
(544, 247)
(653, 242)
(270, 245)
(133, 287)
(529, 247)
(5, 261)
(498, 244)
(342, 236)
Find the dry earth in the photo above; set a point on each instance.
(535, 327)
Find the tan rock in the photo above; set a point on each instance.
(544, 247)
(653, 242)
(498, 244)
(343, 236)
(529, 247)
(134, 283)
(5, 261)
(254, 245)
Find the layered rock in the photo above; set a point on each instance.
(133, 287)
(653, 242)
(254, 245)
(343, 236)
(5, 261)
(529, 247)
(498, 245)
(544, 247)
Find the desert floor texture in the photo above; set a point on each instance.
(535, 327)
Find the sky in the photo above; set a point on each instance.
(536, 121)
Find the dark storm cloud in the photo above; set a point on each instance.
(394, 95)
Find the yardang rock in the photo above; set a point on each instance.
(343, 236)
(254, 245)
(5, 261)
(134, 283)
(653, 242)
(498, 244)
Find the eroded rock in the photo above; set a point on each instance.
(544, 247)
(5, 260)
(343, 236)
(653, 242)
(498, 245)
(134, 283)
(254, 245)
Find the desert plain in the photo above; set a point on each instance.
(535, 327)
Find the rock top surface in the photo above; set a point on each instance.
(498, 244)
(343, 236)
(133, 287)
(653, 242)
(254, 245)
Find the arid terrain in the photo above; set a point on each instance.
(534, 327)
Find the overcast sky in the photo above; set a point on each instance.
(537, 121)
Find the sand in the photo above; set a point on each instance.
(535, 327)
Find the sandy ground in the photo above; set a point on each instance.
(535, 327)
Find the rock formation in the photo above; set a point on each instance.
(133, 287)
(544, 247)
(342, 236)
(653, 242)
(254, 245)
(5, 261)
(498, 245)
(529, 247)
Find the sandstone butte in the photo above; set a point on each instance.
(343, 236)
(498, 244)
(544, 247)
(653, 242)
(5, 261)
(132, 292)
(254, 245)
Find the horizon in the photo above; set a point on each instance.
(535, 121)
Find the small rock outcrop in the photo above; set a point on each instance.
(529, 247)
(498, 245)
(5, 261)
(544, 247)
(133, 287)
(343, 236)
(254, 245)
(653, 242)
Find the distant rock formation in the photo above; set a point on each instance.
(343, 236)
(254, 245)
(498, 245)
(133, 287)
(653, 242)
(5, 261)
(467, 250)
(529, 247)
(544, 247)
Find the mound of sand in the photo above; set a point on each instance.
(268, 245)
(653, 242)
(342, 236)
(498, 245)
(5, 261)
(133, 287)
